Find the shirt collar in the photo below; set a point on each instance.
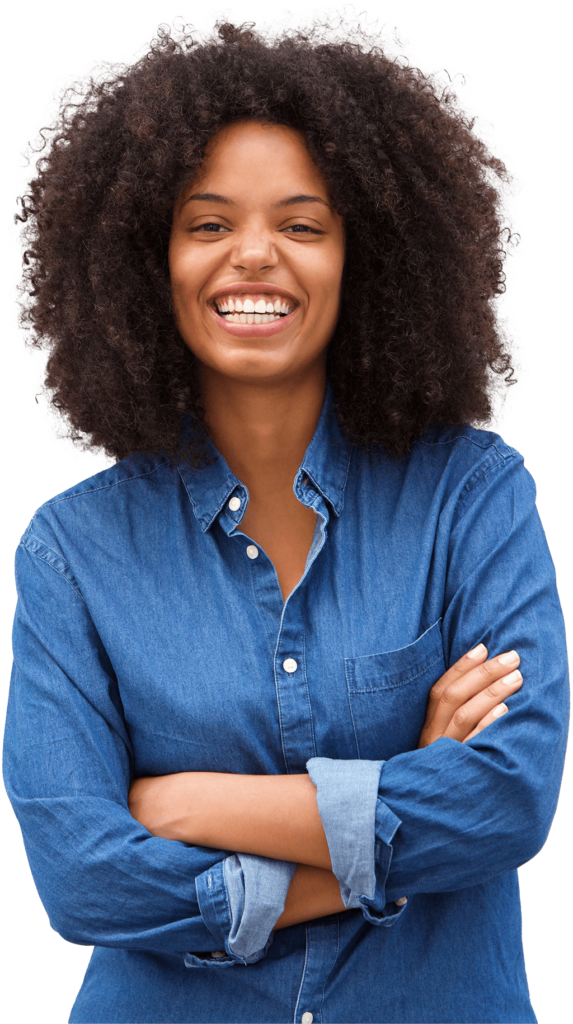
(326, 463)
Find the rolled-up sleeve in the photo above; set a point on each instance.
(359, 829)
(452, 815)
(241, 900)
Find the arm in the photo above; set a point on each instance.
(102, 877)
(453, 815)
(277, 816)
(270, 815)
(312, 893)
(461, 812)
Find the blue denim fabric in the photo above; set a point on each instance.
(346, 794)
(147, 641)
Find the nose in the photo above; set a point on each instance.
(254, 249)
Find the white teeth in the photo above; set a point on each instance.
(257, 318)
(246, 308)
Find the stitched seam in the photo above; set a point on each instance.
(303, 974)
(348, 695)
(343, 488)
(464, 437)
(104, 487)
(310, 715)
(400, 682)
(75, 588)
(476, 479)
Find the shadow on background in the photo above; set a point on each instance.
(37, 472)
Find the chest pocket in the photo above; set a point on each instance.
(388, 694)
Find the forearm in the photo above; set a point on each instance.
(313, 893)
(269, 815)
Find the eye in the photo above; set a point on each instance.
(303, 228)
(211, 227)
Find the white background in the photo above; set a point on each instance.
(519, 59)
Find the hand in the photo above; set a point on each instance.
(469, 696)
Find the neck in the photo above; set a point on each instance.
(263, 430)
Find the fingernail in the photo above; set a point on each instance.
(476, 651)
(513, 677)
(509, 658)
(499, 710)
(401, 901)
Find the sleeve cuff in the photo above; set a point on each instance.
(359, 829)
(241, 898)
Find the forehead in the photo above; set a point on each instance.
(251, 157)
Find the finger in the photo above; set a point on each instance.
(465, 718)
(475, 681)
(492, 716)
(463, 665)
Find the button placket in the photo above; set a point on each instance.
(322, 947)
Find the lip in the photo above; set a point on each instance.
(253, 330)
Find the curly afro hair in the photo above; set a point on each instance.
(416, 343)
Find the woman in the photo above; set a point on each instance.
(289, 678)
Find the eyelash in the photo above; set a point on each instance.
(213, 224)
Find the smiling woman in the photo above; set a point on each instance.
(265, 213)
(289, 685)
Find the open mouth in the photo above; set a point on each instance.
(253, 309)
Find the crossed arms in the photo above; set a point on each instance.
(277, 816)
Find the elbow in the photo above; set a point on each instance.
(532, 820)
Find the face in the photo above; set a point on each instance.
(256, 257)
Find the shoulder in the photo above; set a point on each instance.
(474, 469)
(465, 444)
(449, 467)
(107, 498)
(464, 454)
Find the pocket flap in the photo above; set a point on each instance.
(395, 668)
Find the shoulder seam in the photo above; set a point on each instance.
(508, 454)
(94, 490)
(480, 473)
(42, 551)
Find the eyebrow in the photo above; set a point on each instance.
(213, 197)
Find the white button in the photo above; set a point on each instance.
(401, 901)
(218, 955)
(290, 665)
(235, 504)
(306, 1017)
(253, 551)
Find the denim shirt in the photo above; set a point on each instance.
(151, 637)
